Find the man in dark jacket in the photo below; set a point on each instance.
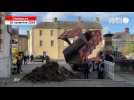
(85, 68)
(19, 64)
(109, 57)
(31, 57)
(25, 59)
(101, 71)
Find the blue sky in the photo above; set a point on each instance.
(105, 18)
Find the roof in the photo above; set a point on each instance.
(24, 36)
(121, 35)
(67, 24)
(132, 35)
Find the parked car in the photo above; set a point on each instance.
(38, 58)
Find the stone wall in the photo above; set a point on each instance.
(5, 67)
(5, 61)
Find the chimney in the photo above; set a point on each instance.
(127, 30)
(55, 19)
(108, 43)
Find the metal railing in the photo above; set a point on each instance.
(109, 69)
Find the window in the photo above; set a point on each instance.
(0, 32)
(41, 43)
(0, 39)
(52, 43)
(40, 32)
(51, 32)
(0, 44)
(0, 20)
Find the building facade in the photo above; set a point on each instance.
(29, 33)
(44, 37)
(120, 39)
(15, 37)
(23, 44)
(5, 54)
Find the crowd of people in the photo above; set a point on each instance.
(26, 59)
(87, 66)
(22, 59)
(97, 64)
(91, 65)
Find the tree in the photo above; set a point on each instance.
(127, 49)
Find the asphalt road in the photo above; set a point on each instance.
(92, 82)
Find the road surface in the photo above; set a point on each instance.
(92, 82)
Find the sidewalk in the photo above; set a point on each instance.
(70, 83)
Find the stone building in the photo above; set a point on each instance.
(23, 44)
(29, 33)
(5, 54)
(120, 39)
(19, 42)
(15, 39)
(44, 36)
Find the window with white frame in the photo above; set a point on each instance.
(52, 43)
(41, 43)
(40, 32)
(51, 32)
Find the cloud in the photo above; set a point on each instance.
(22, 31)
(28, 13)
(84, 15)
(104, 16)
(87, 16)
(105, 30)
(50, 15)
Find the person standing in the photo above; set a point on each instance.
(85, 67)
(19, 64)
(31, 57)
(44, 56)
(101, 71)
(90, 65)
(25, 59)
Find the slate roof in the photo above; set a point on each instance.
(121, 35)
(67, 24)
